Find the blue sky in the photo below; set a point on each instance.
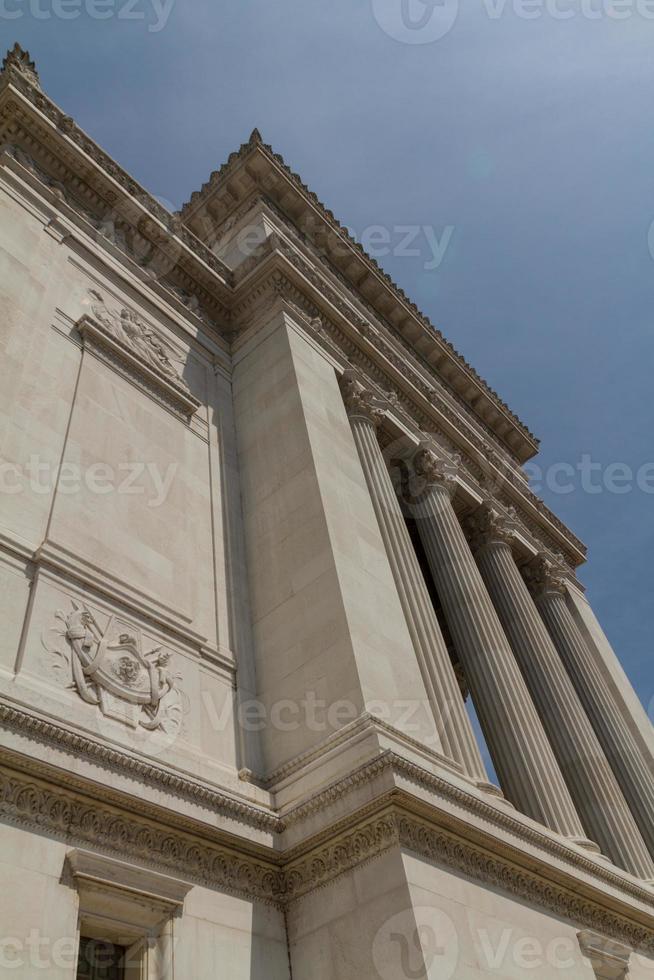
(529, 138)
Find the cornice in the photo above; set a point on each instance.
(495, 817)
(79, 821)
(384, 326)
(268, 170)
(85, 747)
(85, 173)
(82, 822)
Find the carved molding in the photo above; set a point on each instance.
(125, 342)
(609, 959)
(434, 470)
(450, 850)
(490, 525)
(359, 401)
(81, 822)
(492, 815)
(544, 576)
(267, 821)
(100, 753)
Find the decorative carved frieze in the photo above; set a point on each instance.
(158, 776)
(122, 339)
(83, 822)
(284, 878)
(447, 849)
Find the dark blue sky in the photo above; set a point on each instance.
(531, 138)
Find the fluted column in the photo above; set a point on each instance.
(592, 784)
(525, 763)
(632, 772)
(457, 738)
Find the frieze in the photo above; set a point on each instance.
(284, 879)
(103, 754)
(124, 340)
(84, 822)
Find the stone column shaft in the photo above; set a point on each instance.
(457, 738)
(525, 763)
(632, 772)
(593, 787)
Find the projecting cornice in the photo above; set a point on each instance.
(255, 166)
(279, 879)
(89, 185)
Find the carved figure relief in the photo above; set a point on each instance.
(131, 331)
(109, 668)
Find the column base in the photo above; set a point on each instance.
(588, 845)
(491, 790)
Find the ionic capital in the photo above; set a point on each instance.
(544, 576)
(359, 401)
(489, 525)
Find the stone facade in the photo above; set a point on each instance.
(233, 737)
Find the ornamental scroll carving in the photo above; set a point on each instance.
(109, 668)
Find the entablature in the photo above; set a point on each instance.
(255, 167)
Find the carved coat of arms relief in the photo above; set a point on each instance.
(109, 668)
